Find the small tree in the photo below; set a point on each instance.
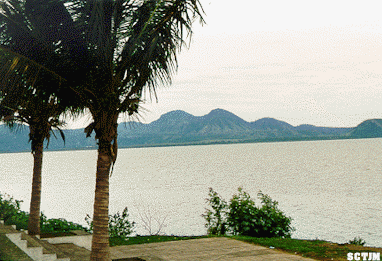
(151, 222)
(216, 220)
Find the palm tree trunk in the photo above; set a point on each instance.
(34, 211)
(100, 242)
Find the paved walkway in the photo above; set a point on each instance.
(219, 248)
(222, 249)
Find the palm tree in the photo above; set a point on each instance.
(42, 117)
(116, 49)
(20, 102)
(132, 45)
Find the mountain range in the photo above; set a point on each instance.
(181, 128)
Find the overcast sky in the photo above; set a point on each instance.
(303, 62)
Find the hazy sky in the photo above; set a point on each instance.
(303, 62)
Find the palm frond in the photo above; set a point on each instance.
(25, 51)
(89, 129)
(156, 33)
(18, 70)
(39, 48)
(61, 134)
(131, 46)
(15, 126)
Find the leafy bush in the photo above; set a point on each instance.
(119, 224)
(8, 206)
(243, 217)
(216, 222)
(267, 221)
(12, 215)
(20, 220)
(58, 225)
(241, 214)
(357, 241)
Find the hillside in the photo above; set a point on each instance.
(181, 128)
(368, 129)
(271, 128)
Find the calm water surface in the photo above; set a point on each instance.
(331, 189)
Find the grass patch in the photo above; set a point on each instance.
(317, 249)
(9, 251)
(117, 241)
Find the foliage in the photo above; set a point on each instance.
(26, 98)
(119, 224)
(216, 223)
(58, 225)
(357, 241)
(11, 213)
(8, 206)
(242, 213)
(243, 217)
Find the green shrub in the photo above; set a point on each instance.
(267, 221)
(357, 241)
(216, 222)
(20, 220)
(243, 217)
(12, 215)
(8, 207)
(241, 214)
(58, 225)
(119, 224)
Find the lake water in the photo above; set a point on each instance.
(331, 189)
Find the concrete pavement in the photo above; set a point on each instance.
(220, 248)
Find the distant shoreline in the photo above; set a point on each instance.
(209, 142)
